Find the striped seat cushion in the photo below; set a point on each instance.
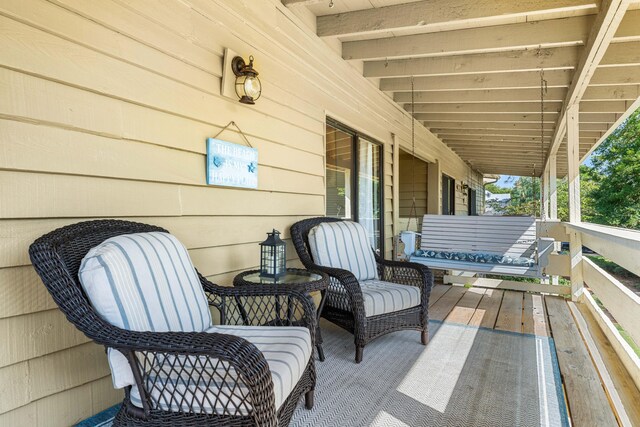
(379, 297)
(144, 282)
(345, 245)
(286, 349)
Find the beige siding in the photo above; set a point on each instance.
(104, 111)
(413, 182)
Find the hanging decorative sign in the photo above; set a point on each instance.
(231, 165)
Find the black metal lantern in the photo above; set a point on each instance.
(273, 257)
(248, 86)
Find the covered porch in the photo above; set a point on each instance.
(105, 108)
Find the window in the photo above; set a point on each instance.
(355, 195)
(473, 202)
(448, 195)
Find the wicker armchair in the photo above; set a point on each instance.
(365, 329)
(57, 257)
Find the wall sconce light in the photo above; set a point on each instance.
(248, 86)
(465, 186)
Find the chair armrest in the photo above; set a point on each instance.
(206, 358)
(262, 304)
(545, 247)
(347, 280)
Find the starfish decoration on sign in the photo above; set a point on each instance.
(252, 167)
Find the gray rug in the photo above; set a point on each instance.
(466, 376)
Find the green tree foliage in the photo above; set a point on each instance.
(496, 189)
(587, 186)
(616, 174)
(525, 197)
(609, 188)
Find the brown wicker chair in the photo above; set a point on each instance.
(366, 329)
(57, 256)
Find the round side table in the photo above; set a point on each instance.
(305, 280)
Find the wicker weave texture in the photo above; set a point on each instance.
(56, 257)
(346, 286)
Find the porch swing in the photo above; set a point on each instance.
(481, 244)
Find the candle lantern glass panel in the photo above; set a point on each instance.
(273, 257)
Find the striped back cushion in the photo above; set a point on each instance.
(343, 244)
(145, 282)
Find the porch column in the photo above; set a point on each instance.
(396, 187)
(553, 187)
(434, 184)
(573, 177)
(544, 214)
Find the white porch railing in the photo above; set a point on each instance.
(623, 248)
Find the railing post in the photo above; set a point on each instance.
(553, 187)
(573, 177)
(545, 193)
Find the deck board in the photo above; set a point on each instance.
(628, 392)
(437, 292)
(533, 316)
(487, 311)
(510, 316)
(540, 315)
(466, 306)
(587, 401)
(441, 309)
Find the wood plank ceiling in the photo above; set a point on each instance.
(476, 68)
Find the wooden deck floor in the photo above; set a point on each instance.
(514, 311)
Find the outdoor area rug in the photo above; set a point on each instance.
(466, 376)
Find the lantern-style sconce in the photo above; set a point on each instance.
(273, 259)
(248, 86)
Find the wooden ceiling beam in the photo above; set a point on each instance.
(614, 76)
(621, 55)
(519, 107)
(611, 93)
(513, 117)
(491, 133)
(486, 117)
(560, 58)
(503, 126)
(495, 107)
(605, 26)
(506, 80)
(478, 139)
(442, 15)
(557, 94)
(554, 94)
(527, 35)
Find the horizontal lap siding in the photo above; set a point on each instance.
(104, 111)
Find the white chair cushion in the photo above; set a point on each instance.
(345, 245)
(286, 349)
(379, 297)
(143, 282)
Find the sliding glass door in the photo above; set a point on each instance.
(369, 190)
(354, 180)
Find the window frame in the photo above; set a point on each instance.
(355, 164)
(451, 189)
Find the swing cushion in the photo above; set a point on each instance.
(479, 257)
